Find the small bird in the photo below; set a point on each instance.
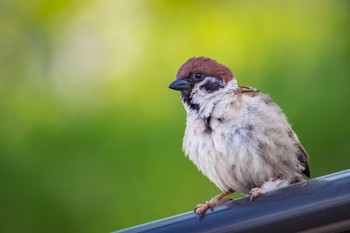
(236, 136)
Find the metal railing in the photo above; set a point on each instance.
(318, 205)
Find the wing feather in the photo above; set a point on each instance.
(301, 153)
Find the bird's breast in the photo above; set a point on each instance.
(223, 150)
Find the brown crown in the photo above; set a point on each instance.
(205, 65)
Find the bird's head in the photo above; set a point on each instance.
(199, 77)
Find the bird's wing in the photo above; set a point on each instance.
(301, 153)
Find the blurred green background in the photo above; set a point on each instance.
(90, 134)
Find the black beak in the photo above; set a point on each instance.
(180, 85)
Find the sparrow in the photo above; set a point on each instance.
(237, 136)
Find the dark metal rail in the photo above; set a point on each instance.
(317, 205)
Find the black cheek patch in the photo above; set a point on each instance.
(210, 87)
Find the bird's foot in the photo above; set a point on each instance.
(255, 192)
(202, 208)
(268, 186)
(219, 199)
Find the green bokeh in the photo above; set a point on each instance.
(90, 135)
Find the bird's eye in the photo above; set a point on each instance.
(198, 76)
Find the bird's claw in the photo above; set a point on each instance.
(255, 192)
(200, 210)
(219, 199)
